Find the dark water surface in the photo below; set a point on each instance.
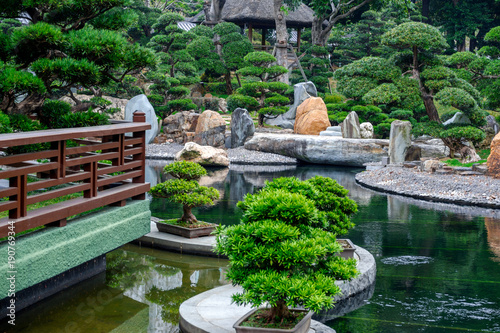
(438, 266)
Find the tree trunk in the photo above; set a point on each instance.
(281, 39)
(279, 311)
(430, 108)
(316, 31)
(31, 104)
(229, 86)
(187, 215)
(426, 10)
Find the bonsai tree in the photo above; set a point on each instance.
(283, 252)
(184, 189)
(266, 97)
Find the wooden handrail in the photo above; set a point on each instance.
(72, 170)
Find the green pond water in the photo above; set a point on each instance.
(438, 267)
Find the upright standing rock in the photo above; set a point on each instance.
(312, 117)
(493, 162)
(350, 126)
(301, 92)
(141, 103)
(242, 127)
(399, 141)
(210, 130)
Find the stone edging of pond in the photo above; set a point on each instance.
(478, 191)
(213, 312)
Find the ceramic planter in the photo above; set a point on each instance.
(185, 232)
(349, 248)
(301, 327)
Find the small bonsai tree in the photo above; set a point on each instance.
(184, 189)
(283, 252)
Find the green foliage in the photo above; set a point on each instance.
(21, 123)
(52, 113)
(333, 98)
(410, 34)
(82, 119)
(401, 114)
(386, 93)
(382, 130)
(184, 189)
(281, 253)
(179, 105)
(4, 123)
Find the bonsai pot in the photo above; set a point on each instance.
(301, 327)
(349, 248)
(185, 232)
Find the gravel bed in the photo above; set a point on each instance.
(479, 191)
(240, 155)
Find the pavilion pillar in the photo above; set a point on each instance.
(298, 39)
(264, 39)
(250, 32)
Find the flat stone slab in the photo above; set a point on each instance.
(161, 240)
(213, 311)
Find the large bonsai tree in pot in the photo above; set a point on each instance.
(282, 253)
(185, 190)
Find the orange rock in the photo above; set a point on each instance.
(312, 117)
(493, 162)
(210, 129)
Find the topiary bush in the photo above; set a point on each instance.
(282, 252)
(241, 101)
(333, 98)
(184, 188)
(52, 112)
(5, 123)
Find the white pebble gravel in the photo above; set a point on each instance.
(476, 190)
(240, 155)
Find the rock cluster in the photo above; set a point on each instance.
(312, 117)
(180, 127)
(301, 92)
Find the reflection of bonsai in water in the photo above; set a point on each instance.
(171, 300)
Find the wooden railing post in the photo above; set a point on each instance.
(140, 117)
(20, 183)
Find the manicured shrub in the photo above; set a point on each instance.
(382, 130)
(281, 253)
(52, 112)
(83, 119)
(241, 101)
(184, 188)
(333, 98)
(401, 114)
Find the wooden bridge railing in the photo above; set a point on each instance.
(100, 161)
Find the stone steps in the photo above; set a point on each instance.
(332, 131)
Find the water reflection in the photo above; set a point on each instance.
(493, 228)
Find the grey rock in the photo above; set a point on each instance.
(332, 131)
(492, 124)
(350, 126)
(399, 141)
(242, 127)
(141, 103)
(301, 92)
(414, 153)
(366, 130)
(458, 118)
(320, 149)
(203, 155)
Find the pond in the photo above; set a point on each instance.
(438, 266)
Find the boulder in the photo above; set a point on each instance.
(350, 126)
(491, 129)
(320, 149)
(399, 141)
(312, 117)
(332, 131)
(210, 130)
(180, 127)
(242, 127)
(141, 103)
(493, 161)
(366, 130)
(458, 118)
(414, 153)
(301, 92)
(204, 155)
(431, 165)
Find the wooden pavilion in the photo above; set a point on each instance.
(259, 14)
